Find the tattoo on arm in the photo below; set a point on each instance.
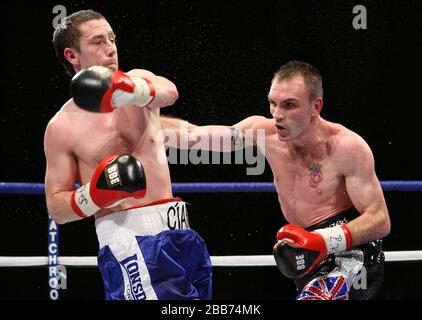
(236, 138)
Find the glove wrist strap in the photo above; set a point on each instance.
(142, 95)
(82, 203)
(336, 238)
(144, 91)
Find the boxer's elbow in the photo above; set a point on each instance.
(385, 227)
(167, 95)
(58, 211)
(58, 219)
(55, 214)
(63, 217)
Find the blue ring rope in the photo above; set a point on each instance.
(209, 187)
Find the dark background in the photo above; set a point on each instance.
(221, 55)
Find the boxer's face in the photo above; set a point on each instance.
(97, 45)
(290, 107)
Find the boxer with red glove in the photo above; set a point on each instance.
(100, 89)
(299, 251)
(115, 179)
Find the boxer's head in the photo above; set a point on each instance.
(295, 99)
(310, 75)
(83, 39)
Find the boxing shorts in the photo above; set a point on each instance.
(355, 274)
(150, 253)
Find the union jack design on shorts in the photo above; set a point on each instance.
(325, 288)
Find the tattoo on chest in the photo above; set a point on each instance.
(315, 175)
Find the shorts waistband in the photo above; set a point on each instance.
(143, 221)
(339, 219)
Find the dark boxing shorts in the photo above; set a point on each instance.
(150, 253)
(356, 274)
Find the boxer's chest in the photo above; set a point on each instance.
(122, 131)
(314, 181)
(304, 178)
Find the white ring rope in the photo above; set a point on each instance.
(217, 261)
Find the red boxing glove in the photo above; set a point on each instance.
(298, 251)
(100, 89)
(115, 179)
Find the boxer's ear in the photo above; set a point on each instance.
(72, 56)
(317, 106)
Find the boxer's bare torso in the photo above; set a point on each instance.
(92, 137)
(310, 183)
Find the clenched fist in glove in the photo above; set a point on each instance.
(115, 179)
(298, 251)
(100, 89)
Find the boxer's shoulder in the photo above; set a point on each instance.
(351, 153)
(349, 144)
(255, 122)
(63, 124)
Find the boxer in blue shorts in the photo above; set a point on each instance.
(108, 139)
(151, 253)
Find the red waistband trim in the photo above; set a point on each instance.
(157, 202)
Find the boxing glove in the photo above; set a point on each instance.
(115, 179)
(298, 251)
(100, 89)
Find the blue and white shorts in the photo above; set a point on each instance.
(151, 253)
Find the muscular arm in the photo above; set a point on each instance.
(60, 177)
(165, 91)
(181, 134)
(364, 189)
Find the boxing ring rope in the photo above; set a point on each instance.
(53, 259)
(217, 261)
(210, 187)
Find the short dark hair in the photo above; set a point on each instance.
(310, 74)
(67, 35)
